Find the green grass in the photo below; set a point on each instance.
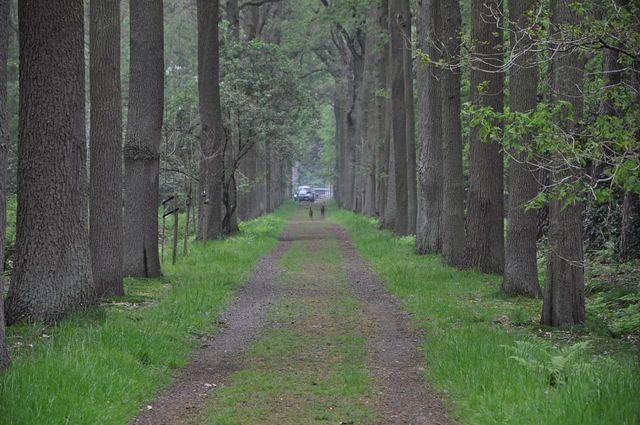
(468, 326)
(100, 366)
(276, 389)
(311, 367)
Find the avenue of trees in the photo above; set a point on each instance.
(179, 100)
(523, 136)
(496, 133)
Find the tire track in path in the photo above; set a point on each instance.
(219, 356)
(306, 328)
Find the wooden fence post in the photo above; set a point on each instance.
(186, 224)
(176, 214)
(162, 236)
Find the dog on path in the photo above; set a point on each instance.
(310, 213)
(322, 211)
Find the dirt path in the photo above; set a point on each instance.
(219, 356)
(313, 337)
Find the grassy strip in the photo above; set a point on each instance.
(310, 368)
(488, 355)
(99, 366)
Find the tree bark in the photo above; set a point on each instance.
(399, 24)
(188, 211)
(105, 203)
(521, 269)
(141, 151)
(337, 111)
(368, 120)
(249, 206)
(233, 17)
(246, 192)
(564, 288)
(52, 274)
(630, 226)
(261, 167)
(231, 151)
(344, 157)
(410, 132)
(613, 73)
(428, 238)
(4, 143)
(390, 211)
(363, 148)
(377, 50)
(229, 182)
(383, 112)
(5, 360)
(252, 21)
(485, 204)
(355, 75)
(268, 176)
(212, 138)
(452, 231)
(630, 231)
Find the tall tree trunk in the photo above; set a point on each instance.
(261, 194)
(344, 180)
(4, 143)
(521, 270)
(252, 22)
(382, 111)
(188, 212)
(410, 132)
(452, 231)
(630, 226)
(247, 173)
(212, 138)
(105, 203)
(229, 183)
(613, 72)
(370, 127)
(5, 360)
(52, 274)
(248, 203)
(358, 164)
(485, 204)
(337, 111)
(390, 211)
(233, 17)
(252, 177)
(430, 106)
(363, 145)
(399, 25)
(142, 147)
(268, 176)
(564, 288)
(353, 128)
(630, 231)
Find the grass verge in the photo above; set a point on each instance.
(100, 366)
(488, 355)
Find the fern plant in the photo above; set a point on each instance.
(557, 364)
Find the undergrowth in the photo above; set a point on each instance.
(613, 297)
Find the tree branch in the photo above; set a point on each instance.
(256, 3)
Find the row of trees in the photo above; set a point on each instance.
(70, 253)
(563, 130)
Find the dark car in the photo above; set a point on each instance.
(306, 195)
